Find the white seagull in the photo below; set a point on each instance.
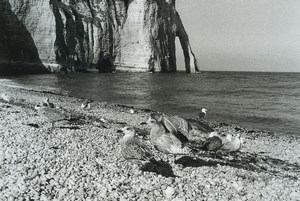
(234, 144)
(86, 105)
(202, 114)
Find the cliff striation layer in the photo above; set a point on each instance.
(79, 34)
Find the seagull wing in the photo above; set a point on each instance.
(213, 143)
(144, 148)
(169, 124)
(177, 126)
(182, 124)
(201, 126)
(135, 150)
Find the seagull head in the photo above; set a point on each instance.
(37, 107)
(85, 105)
(45, 102)
(154, 119)
(226, 137)
(204, 110)
(128, 131)
(239, 137)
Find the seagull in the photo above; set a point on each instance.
(10, 99)
(132, 149)
(215, 142)
(52, 115)
(47, 103)
(202, 114)
(7, 98)
(86, 105)
(234, 144)
(104, 120)
(164, 140)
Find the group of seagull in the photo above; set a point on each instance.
(170, 135)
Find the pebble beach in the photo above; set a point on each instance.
(81, 160)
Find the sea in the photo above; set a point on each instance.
(255, 100)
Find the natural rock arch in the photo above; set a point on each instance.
(190, 61)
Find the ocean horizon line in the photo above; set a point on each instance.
(237, 71)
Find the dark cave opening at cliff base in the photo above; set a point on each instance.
(105, 66)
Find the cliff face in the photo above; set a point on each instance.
(18, 53)
(83, 33)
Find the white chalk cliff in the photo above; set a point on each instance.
(82, 33)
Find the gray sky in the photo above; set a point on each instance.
(245, 35)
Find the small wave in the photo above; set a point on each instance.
(10, 83)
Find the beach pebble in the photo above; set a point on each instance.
(44, 197)
(157, 193)
(62, 192)
(169, 192)
(11, 198)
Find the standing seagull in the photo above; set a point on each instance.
(52, 115)
(202, 114)
(47, 103)
(86, 105)
(165, 141)
(132, 149)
